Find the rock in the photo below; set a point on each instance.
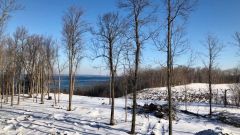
(207, 132)
(160, 111)
(49, 98)
(152, 107)
(159, 114)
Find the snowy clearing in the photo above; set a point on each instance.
(91, 116)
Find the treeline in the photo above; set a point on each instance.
(150, 78)
(184, 75)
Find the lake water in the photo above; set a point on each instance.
(81, 81)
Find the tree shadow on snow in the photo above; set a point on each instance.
(56, 123)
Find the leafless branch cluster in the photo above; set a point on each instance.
(6, 9)
(237, 40)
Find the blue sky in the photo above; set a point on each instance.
(220, 17)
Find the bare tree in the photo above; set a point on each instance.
(60, 68)
(42, 72)
(110, 35)
(139, 17)
(20, 39)
(6, 8)
(6, 63)
(127, 73)
(177, 12)
(2, 68)
(50, 59)
(31, 54)
(73, 29)
(12, 60)
(186, 73)
(214, 47)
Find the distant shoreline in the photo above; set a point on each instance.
(81, 81)
(83, 75)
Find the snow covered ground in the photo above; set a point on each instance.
(196, 92)
(91, 116)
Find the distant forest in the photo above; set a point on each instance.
(149, 78)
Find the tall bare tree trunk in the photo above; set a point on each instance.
(2, 86)
(112, 101)
(33, 90)
(7, 91)
(28, 88)
(42, 88)
(19, 92)
(55, 99)
(1, 98)
(38, 84)
(210, 88)
(36, 87)
(169, 66)
(126, 102)
(137, 55)
(185, 97)
(48, 84)
(59, 87)
(110, 88)
(70, 84)
(23, 89)
(12, 93)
